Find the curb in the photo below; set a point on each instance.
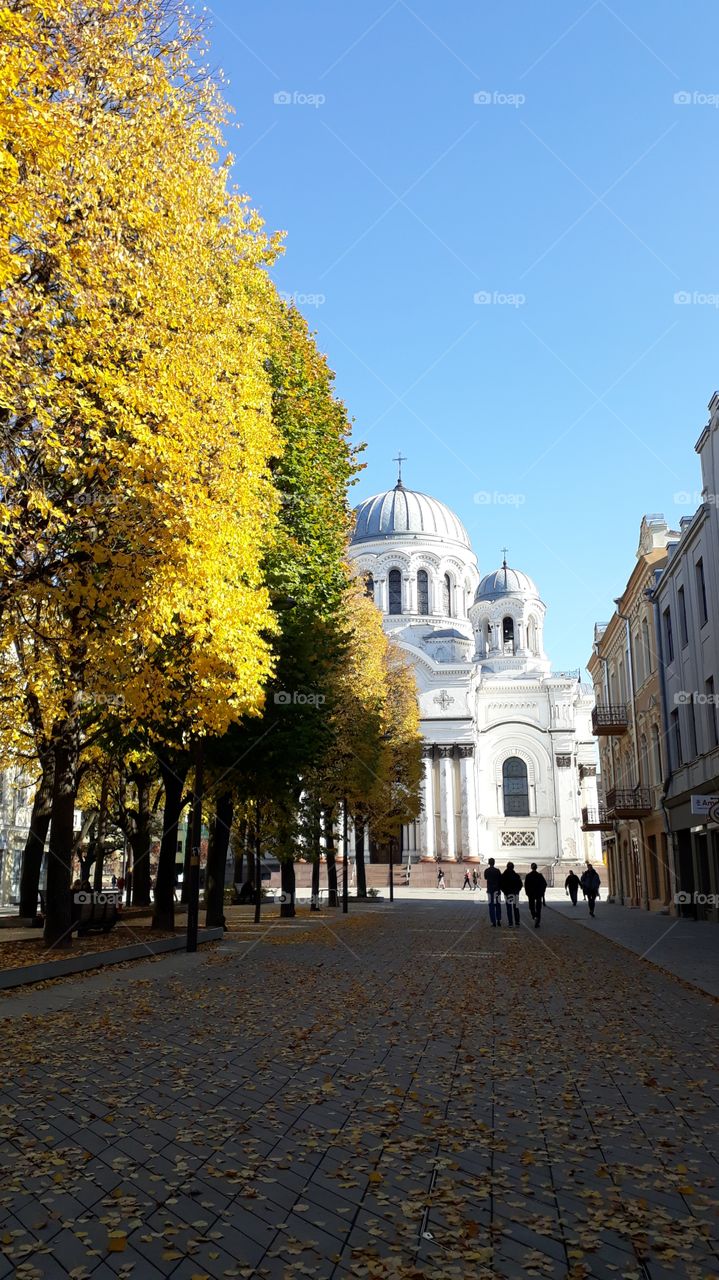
(10, 978)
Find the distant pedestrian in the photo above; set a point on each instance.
(440, 880)
(535, 887)
(466, 883)
(493, 881)
(113, 882)
(475, 879)
(571, 885)
(590, 887)
(511, 888)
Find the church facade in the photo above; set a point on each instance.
(509, 756)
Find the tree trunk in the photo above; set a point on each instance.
(173, 776)
(240, 854)
(287, 905)
(216, 861)
(101, 833)
(258, 865)
(316, 835)
(141, 841)
(58, 920)
(360, 828)
(329, 832)
(186, 860)
(35, 844)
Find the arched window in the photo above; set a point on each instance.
(395, 591)
(515, 786)
(508, 635)
(369, 585)
(422, 591)
(485, 633)
(657, 751)
(447, 596)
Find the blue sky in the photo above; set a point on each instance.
(577, 197)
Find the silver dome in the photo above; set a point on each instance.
(403, 512)
(505, 582)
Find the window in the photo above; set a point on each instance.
(422, 591)
(369, 585)
(701, 591)
(692, 729)
(447, 596)
(683, 632)
(507, 635)
(713, 736)
(515, 786)
(395, 591)
(677, 737)
(657, 751)
(668, 636)
(646, 646)
(643, 760)
(621, 682)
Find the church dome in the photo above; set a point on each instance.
(505, 582)
(401, 513)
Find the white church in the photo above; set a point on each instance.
(509, 757)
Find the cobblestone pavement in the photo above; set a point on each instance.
(405, 1092)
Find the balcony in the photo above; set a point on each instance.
(596, 820)
(610, 720)
(629, 804)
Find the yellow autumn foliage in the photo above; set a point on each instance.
(134, 399)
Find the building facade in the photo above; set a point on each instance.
(686, 603)
(509, 758)
(628, 722)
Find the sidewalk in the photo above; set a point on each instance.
(689, 949)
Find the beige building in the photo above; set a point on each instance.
(627, 720)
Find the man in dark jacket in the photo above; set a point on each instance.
(493, 880)
(571, 884)
(511, 888)
(535, 887)
(590, 886)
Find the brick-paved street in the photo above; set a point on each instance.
(406, 1092)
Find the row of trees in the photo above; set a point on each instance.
(175, 473)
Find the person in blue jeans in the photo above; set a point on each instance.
(493, 881)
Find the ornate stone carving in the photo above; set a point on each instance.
(517, 839)
(427, 750)
(587, 771)
(466, 751)
(563, 762)
(443, 699)
(445, 753)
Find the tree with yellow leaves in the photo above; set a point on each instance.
(135, 403)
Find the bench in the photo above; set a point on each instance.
(94, 912)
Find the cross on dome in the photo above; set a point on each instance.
(399, 460)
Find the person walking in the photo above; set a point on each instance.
(571, 885)
(493, 881)
(440, 880)
(535, 887)
(466, 883)
(475, 879)
(590, 887)
(511, 888)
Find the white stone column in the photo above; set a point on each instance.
(381, 594)
(469, 803)
(412, 592)
(426, 820)
(448, 846)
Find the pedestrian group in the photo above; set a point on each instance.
(507, 885)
